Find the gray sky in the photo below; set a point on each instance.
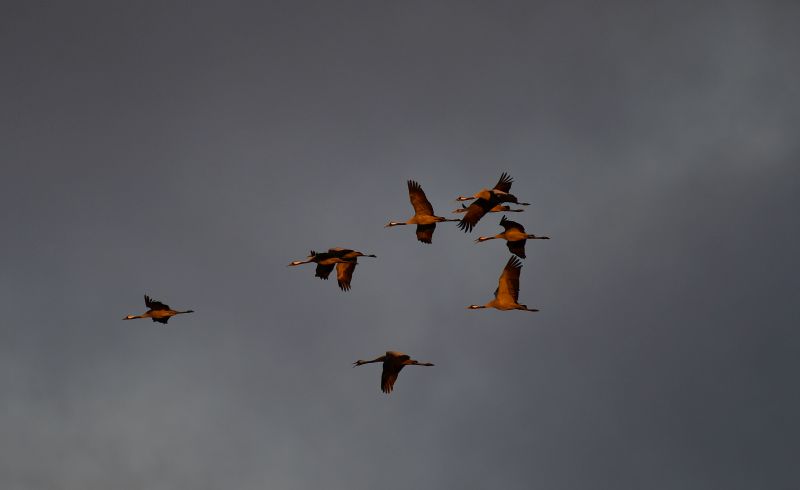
(191, 153)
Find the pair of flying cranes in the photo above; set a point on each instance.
(506, 296)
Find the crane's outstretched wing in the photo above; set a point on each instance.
(389, 376)
(509, 279)
(422, 207)
(511, 225)
(504, 184)
(475, 212)
(162, 320)
(323, 271)
(506, 197)
(344, 274)
(517, 248)
(425, 232)
(153, 304)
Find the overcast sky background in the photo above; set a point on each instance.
(190, 150)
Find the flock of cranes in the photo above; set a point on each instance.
(506, 296)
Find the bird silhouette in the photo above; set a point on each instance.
(344, 270)
(393, 363)
(506, 296)
(423, 217)
(501, 190)
(157, 311)
(514, 235)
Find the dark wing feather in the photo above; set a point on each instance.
(389, 376)
(511, 225)
(422, 207)
(153, 304)
(162, 320)
(323, 271)
(425, 232)
(508, 198)
(344, 274)
(509, 279)
(475, 212)
(517, 248)
(504, 184)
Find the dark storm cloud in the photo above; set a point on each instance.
(191, 153)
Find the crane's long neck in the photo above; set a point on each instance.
(300, 262)
(377, 359)
(465, 198)
(395, 223)
(484, 238)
